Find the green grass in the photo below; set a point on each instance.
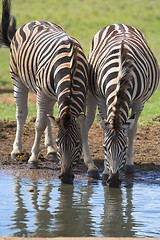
(83, 19)
(5, 80)
(8, 111)
(151, 110)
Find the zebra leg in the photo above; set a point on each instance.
(129, 168)
(90, 115)
(40, 125)
(49, 143)
(21, 97)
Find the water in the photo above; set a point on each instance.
(40, 208)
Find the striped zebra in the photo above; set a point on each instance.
(123, 74)
(52, 64)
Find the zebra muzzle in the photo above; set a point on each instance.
(114, 180)
(66, 178)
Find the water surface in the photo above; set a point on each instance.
(47, 208)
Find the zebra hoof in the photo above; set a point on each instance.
(129, 169)
(93, 174)
(14, 156)
(33, 165)
(52, 156)
(105, 178)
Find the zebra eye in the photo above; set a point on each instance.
(106, 146)
(77, 144)
(125, 148)
(57, 143)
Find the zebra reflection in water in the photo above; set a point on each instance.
(48, 208)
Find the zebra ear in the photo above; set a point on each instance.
(129, 122)
(102, 122)
(54, 121)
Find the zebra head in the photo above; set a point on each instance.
(69, 145)
(115, 150)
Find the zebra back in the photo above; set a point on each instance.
(122, 71)
(60, 66)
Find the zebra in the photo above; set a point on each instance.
(49, 62)
(123, 74)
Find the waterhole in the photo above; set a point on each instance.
(47, 208)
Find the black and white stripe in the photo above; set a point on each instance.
(51, 63)
(123, 74)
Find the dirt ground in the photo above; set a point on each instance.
(146, 146)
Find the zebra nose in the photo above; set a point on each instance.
(66, 178)
(114, 180)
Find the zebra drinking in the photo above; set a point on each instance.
(52, 64)
(123, 74)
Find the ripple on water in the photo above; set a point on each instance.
(47, 208)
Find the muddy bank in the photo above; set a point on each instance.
(147, 151)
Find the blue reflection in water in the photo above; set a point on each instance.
(40, 208)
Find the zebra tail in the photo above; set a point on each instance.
(6, 17)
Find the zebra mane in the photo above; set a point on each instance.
(123, 85)
(65, 120)
(74, 60)
(73, 67)
(66, 117)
